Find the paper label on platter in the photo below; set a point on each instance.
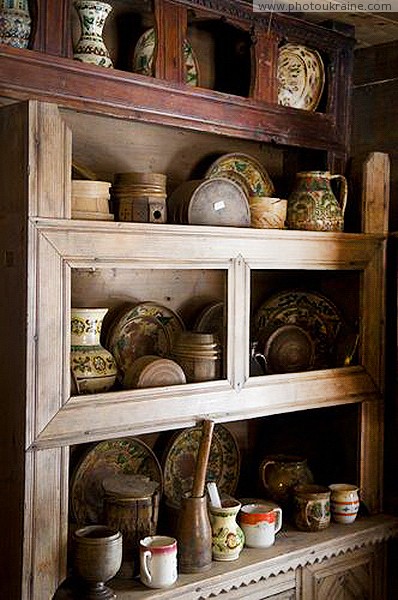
(219, 205)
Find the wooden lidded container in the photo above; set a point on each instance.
(131, 504)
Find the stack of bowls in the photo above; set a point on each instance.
(90, 200)
(198, 354)
(140, 197)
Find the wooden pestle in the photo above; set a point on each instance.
(198, 488)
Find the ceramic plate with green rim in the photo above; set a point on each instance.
(255, 177)
(145, 51)
(180, 457)
(129, 456)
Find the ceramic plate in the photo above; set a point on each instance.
(144, 53)
(127, 456)
(255, 176)
(180, 459)
(211, 320)
(301, 77)
(142, 329)
(312, 312)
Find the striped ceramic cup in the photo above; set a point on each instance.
(344, 502)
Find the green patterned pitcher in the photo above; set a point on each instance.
(312, 204)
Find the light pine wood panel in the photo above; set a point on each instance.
(120, 244)
(185, 291)
(108, 146)
(349, 577)
(132, 412)
(45, 517)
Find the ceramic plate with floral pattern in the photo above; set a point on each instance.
(179, 462)
(310, 311)
(129, 456)
(301, 77)
(142, 329)
(255, 177)
(144, 53)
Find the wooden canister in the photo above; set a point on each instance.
(217, 201)
(132, 513)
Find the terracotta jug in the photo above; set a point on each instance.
(312, 204)
(279, 474)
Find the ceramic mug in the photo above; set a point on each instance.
(344, 502)
(260, 523)
(311, 507)
(158, 561)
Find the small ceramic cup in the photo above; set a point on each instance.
(158, 561)
(260, 523)
(344, 502)
(311, 507)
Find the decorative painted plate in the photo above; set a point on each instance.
(142, 329)
(127, 456)
(145, 51)
(179, 462)
(251, 170)
(301, 77)
(312, 312)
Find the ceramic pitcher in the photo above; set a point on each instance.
(312, 204)
(279, 474)
(227, 537)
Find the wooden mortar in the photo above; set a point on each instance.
(193, 528)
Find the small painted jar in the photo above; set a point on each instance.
(227, 536)
(344, 502)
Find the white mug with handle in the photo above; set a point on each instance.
(158, 561)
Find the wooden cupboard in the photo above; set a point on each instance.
(112, 121)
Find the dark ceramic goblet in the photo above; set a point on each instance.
(97, 558)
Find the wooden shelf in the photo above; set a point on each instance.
(292, 550)
(28, 74)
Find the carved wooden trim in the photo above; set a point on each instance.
(171, 26)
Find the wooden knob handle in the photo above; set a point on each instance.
(198, 488)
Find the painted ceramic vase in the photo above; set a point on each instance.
(312, 204)
(91, 47)
(15, 23)
(279, 474)
(93, 369)
(227, 537)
